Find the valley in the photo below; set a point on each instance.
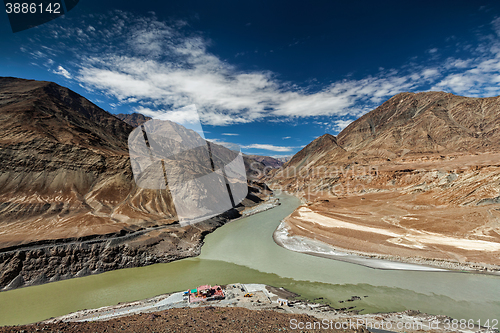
(428, 195)
(69, 206)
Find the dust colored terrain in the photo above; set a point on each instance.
(418, 177)
(69, 205)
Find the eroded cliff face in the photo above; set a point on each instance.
(69, 205)
(420, 164)
(67, 258)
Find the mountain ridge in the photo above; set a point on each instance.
(67, 195)
(420, 164)
(133, 119)
(432, 122)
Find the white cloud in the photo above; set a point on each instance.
(146, 61)
(160, 67)
(340, 124)
(476, 76)
(62, 71)
(480, 80)
(430, 73)
(268, 147)
(230, 134)
(286, 137)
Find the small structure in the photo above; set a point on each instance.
(206, 293)
(282, 301)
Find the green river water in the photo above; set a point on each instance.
(244, 251)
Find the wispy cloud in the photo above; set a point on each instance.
(286, 137)
(230, 134)
(163, 66)
(478, 75)
(62, 71)
(340, 124)
(270, 147)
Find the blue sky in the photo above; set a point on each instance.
(268, 75)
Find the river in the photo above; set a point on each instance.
(244, 251)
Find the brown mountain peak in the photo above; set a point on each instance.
(426, 122)
(325, 145)
(133, 119)
(31, 110)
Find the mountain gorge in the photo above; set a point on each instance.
(69, 205)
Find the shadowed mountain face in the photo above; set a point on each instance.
(66, 169)
(421, 165)
(69, 203)
(133, 119)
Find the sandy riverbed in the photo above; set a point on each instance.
(304, 231)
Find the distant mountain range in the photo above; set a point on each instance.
(267, 161)
(255, 164)
(283, 159)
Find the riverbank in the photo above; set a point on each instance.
(185, 320)
(303, 244)
(50, 261)
(244, 251)
(268, 309)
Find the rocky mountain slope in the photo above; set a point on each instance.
(65, 168)
(255, 165)
(133, 119)
(422, 170)
(68, 203)
(430, 122)
(267, 161)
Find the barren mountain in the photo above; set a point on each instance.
(133, 119)
(418, 176)
(430, 122)
(68, 203)
(65, 168)
(267, 161)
